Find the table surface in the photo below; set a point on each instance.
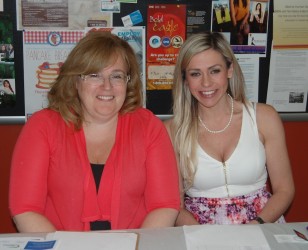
(173, 238)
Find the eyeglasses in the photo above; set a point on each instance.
(115, 79)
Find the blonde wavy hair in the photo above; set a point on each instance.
(95, 51)
(184, 126)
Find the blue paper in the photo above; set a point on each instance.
(136, 17)
(40, 245)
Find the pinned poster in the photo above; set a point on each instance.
(44, 54)
(7, 65)
(165, 35)
(132, 19)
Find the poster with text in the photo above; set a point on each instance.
(198, 18)
(166, 32)
(44, 54)
(61, 14)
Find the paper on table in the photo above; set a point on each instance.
(94, 241)
(225, 237)
(16, 243)
(288, 238)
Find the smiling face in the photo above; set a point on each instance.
(207, 77)
(102, 102)
(6, 84)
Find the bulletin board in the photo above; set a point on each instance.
(158, 101)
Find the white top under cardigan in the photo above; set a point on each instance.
(245, 169)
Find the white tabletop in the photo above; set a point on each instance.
(174, 238)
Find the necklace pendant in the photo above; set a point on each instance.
(228, 124)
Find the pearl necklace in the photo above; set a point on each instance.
(228, 124)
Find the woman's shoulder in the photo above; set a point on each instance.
(44, 122)
(266, 111)
(268, 119)
(44, 113)
(45, 117)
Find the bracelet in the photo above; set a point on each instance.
(260, 220)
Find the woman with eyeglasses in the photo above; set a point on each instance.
(94, 159)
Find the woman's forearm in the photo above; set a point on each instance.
(30, 222)
(185, 218)
(161, 217)
(276, 206)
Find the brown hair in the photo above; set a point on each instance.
(97, 50)
(9, 85)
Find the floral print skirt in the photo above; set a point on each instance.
(236, 210)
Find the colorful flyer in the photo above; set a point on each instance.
(249, 37)
(166, 32)
(44, 54)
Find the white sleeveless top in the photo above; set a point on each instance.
(245, 170)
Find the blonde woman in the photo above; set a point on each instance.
(227, 147)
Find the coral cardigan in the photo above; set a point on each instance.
(51, 173)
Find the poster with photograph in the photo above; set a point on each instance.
(44, 54)
(61, 15)
(287, 84)
(7, 67)
(244, 24)
(166, 32)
